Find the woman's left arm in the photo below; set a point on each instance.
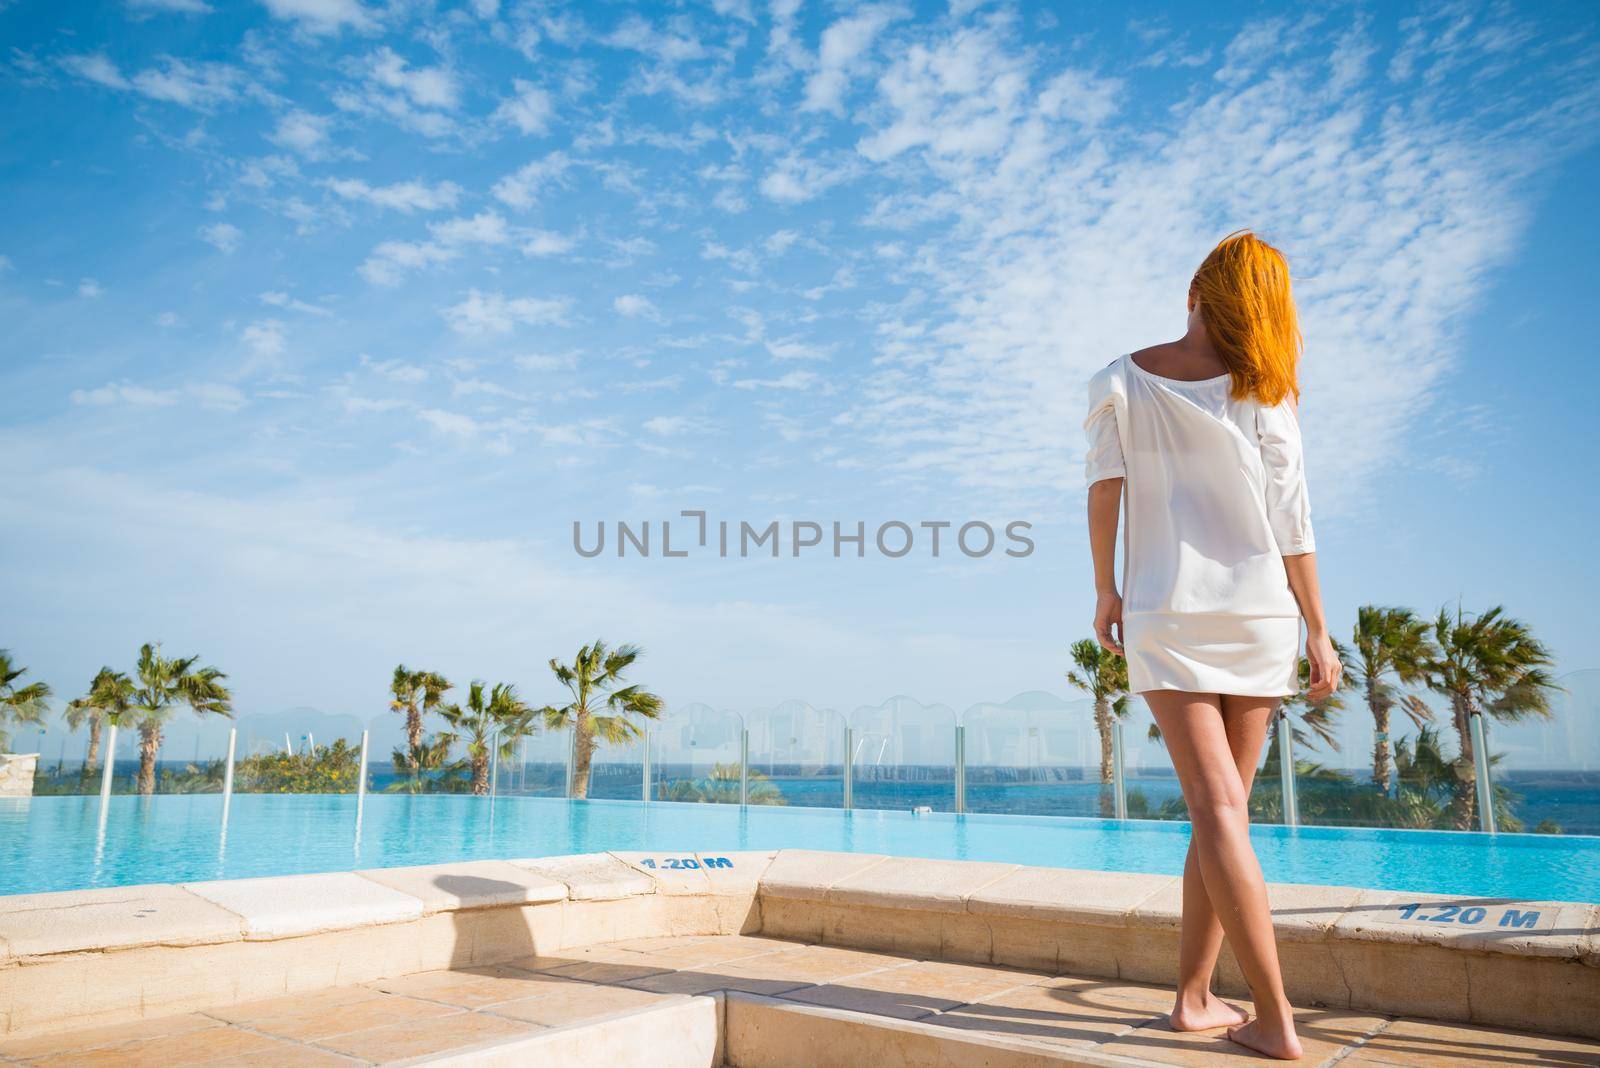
(1289, 512)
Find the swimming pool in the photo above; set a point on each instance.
(61, 843)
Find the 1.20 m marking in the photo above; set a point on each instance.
(1469, 915)
(686, 863)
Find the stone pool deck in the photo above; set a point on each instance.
(760, 959)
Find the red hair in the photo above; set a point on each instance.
(1242, 290)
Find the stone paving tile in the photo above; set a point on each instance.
(472, 988)
(1323, 1034)
(1426, 1043)
(401, 1040)
(308, 1018)
(579, 1002)
(113, 1035)
(711, 951)
(173, 1051)
(1068, 1012)
(916, 989)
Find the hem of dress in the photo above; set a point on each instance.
(1226, 615)
(1220, 693)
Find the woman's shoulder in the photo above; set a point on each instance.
(1108, 386)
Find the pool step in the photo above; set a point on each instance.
(683, 1032)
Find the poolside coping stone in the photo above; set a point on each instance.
(592, 876)
(914, 883)
(1301, 912)
(119, 917)
(805, 873)
(469, 885)
(1098, 898)
(1493, 925)
(283, 906)
(678, 874)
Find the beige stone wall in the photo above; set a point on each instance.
(16, 774)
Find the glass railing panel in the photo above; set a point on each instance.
(904, 755)
(617, 769)
(191, 753)
(1546, 769)
(304, 751)
(796, 756)
(536, 765)
(1150, 782)
(1036, 754)
(63, 747)
(695, 757)
(1349, 774)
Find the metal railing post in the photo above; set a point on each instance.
(849, 767)
(1119, 788)
(1291, 803)
(227, 773)
(644, 789)
(744, 765)
(108, 770)
(361, 775)
(1484, 786)
(961, 768)
(494, 766)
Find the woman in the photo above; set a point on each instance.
(1201, 437)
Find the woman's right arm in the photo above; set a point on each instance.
(1105, 506)
(1104, 469)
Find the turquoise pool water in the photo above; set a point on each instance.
(60, 843)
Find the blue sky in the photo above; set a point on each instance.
(326, 319)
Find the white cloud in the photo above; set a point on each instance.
(408, 374)
(452, 423)
(185, 7)
(635, 306)
(322, 16)
(529, 109)
(794, 380)
(404, 197)
(302, 132)
(90, 288)
(118, 393)
(279, 299)
(839, 55)
(795, 178)
(495, 313)
(200, 86)
(389, 262)
(484, 228)
(548, 243)
(218, 396)
(424, 87)
(521, 188)
(97, 68)
(671, 426)
(266, 341)
(224, 236)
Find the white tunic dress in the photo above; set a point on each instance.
(1215, 496)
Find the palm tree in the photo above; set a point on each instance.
(108, 700)
(601, 705)
(1392, 643)
(161, 685)
(22, 705)
(1489, 664)
(429, 767)
(492, 726)
(1105, 678)
(416, 693)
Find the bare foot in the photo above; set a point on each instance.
(1278, 1042)
(1204, 1016)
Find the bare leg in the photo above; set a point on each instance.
(1245, 720)
(1219, 813)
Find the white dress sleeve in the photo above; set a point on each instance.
(1104, 459)
(1288, 500)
